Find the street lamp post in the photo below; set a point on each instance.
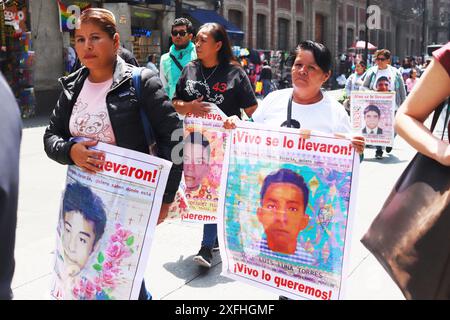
(366, 45)
(424, 29)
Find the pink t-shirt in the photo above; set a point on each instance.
(90, 116)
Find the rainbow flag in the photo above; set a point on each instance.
(69, 13)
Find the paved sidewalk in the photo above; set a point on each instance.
(171, 274)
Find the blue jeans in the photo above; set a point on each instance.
(209, 235)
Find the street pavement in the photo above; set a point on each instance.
(171, 273)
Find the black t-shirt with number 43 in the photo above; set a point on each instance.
(227, 86)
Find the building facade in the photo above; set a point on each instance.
(438, 21)
(281, 24)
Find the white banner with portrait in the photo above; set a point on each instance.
(286, 211)
(106, 225)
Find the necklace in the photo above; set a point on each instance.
(210, 75)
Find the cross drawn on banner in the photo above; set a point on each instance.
(138, 241)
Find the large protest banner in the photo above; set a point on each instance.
(372, 115)
(287, 211)
(205, 140)
(106, 225)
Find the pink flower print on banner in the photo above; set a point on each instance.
(86, 290)
(90, 290)
(121, 234)
(108, 267)
(98, 284)
(76, 291)
(117, 251)
(215, 172)
(108, 279)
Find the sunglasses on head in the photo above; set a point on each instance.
(181, 33)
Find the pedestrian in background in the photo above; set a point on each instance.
(405, 68)
(266, 78)
(433, 88)
(180, 54)
(411, 81)
(96, 91)
(128, 56)
(151, 60)
(10, 137)
(384, 69)
(215, 77)
(354, 83)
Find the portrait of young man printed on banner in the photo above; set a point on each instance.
(294, 223)
(282, 213)
(98, 250)
(372, 123)
(81, 226)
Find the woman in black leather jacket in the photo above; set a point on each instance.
(99, 102)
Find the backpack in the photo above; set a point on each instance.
(148, 131)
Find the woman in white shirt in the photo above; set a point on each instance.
(311, 108)
(354, 83)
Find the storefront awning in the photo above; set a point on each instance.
(203, 16)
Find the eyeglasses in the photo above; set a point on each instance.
(176, 33)
(380, 59)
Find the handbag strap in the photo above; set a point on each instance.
(148, 131)
(289, 113)
(446, 123)
(177, 63)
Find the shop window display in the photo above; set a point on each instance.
(16, 56)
